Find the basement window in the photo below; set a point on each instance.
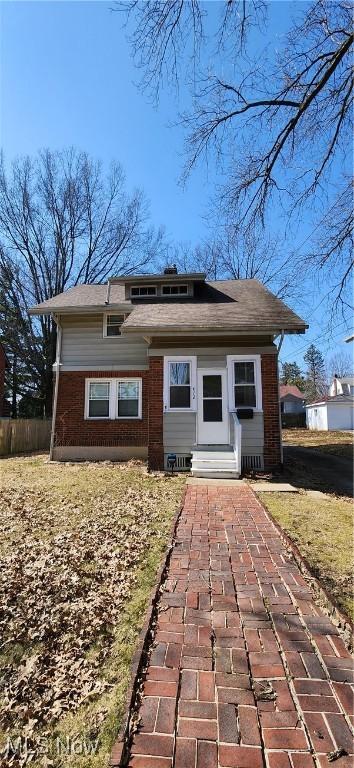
(142, 290)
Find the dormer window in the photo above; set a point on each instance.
(137, 291)
(112, 324)
(175, 290)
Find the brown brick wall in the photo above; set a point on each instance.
(73, 429)
(155, 439)
(270, 390)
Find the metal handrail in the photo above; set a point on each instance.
(237, 442)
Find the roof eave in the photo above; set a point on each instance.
(198, 330)
(84, 309)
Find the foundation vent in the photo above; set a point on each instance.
(183, 462)
(252, 462)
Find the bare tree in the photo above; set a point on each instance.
(233, 255)
(340, 364)
(62, 222)
(280, 126)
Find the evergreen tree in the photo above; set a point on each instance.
(291, 374)
(315, 385)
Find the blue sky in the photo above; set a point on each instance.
(67, 79)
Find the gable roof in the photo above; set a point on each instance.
(226, 305)
(290, 389)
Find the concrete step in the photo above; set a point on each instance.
(214, 463)
(227, 474)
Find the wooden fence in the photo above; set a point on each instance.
(24, 435)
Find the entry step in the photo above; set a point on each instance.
(212, 463)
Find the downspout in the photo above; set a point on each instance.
(56, 386)
(280, 424)
(108, 294)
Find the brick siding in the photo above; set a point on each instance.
(270, 390)
(155, 441)
(73, 429)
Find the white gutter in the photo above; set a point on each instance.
(57, 365)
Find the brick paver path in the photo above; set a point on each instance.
(246, 671)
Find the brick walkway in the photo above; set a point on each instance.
(246, 670)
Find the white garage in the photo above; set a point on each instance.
(335, 413)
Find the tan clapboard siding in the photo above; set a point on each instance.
(252, 435)
(179, 430)
(206, 346)
(211, 361)
(83, 346)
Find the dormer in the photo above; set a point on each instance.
(167, 286)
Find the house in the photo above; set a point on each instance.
(291, 399)
(171, 368)
(342, 385)
(4, 365)
(331, 413)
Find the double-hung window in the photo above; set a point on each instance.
(179, 384)
(98, 399)
(113, 398)
(128, 399)
(245, 390)
(112, 324)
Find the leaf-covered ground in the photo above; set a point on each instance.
(80, 545)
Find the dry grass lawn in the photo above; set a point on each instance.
(337, 443)
(80, 547)
(322, 528)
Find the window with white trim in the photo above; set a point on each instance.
(142, 290)
(128, 399)
(175, 290)
(112, 324)
(180, 383)
(98, 399)
(245, 387)
(113, 398)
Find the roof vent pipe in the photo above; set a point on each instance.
(171, 269)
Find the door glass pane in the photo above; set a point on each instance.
(180, 397)
(245, 395)
(212, 386)
(179, 373)
(244, 373)
(212, 410)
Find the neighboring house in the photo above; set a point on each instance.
(4, 364)
(331, 413)
(157, 365)
(343, 385)
(291, 399)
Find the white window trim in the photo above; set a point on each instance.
(104, 328)
(192, 360)
(256, 359)
(113, 398)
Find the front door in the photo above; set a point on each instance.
(213, 417)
